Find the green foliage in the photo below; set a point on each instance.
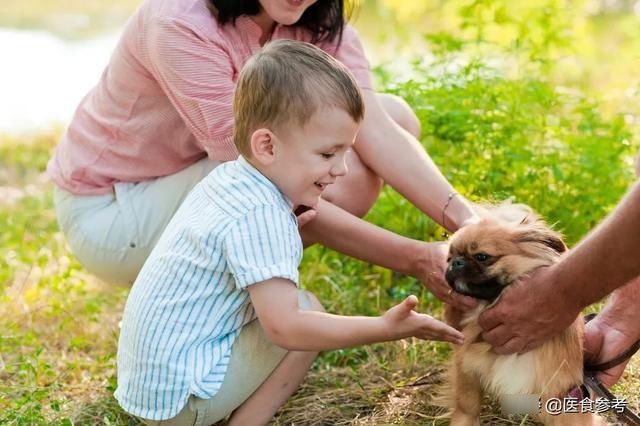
(496, 138)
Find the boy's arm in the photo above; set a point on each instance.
(276, 304)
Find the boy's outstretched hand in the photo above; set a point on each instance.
(402, 320)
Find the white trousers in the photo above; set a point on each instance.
(253, 359)
(112, 234)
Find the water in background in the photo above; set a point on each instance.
(43, 77)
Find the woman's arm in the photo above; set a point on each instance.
(276, 304)
(350, 235)
(397, 157)
(393, 153)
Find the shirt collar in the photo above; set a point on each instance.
(249, 168)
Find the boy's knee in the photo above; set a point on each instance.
(400, 111)
(309, 302)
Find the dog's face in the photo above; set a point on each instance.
(487, 256)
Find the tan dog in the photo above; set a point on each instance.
(484, 258)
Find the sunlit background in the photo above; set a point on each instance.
(54, 51)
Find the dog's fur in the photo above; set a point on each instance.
(517, 243)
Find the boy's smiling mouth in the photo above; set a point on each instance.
(322, 185)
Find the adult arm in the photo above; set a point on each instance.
(397, 157)
(348, 234)
(604, 261)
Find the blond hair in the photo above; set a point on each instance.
(287, 82)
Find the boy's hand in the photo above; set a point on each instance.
(403, 321)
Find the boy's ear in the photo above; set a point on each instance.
(262, 146)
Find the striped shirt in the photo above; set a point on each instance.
(165, 99)
(189, 302)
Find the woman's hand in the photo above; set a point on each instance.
(430, 270)
(402, 321)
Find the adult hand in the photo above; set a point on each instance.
(603, 341)
(431, 271)
(614, 330)
(528, 313)
(305, 215)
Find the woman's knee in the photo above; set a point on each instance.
(400, 111)
(358, 190)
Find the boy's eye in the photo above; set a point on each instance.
(327, 155)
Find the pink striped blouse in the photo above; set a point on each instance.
(165, 99)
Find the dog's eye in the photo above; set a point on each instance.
(481, 257)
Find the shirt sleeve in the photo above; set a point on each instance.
(197, 76)
(263, 244)
(351, 53)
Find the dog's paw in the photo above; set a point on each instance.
(459, 418)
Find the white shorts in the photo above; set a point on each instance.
(112, 234)
(253, 359)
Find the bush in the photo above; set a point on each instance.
(548, 147)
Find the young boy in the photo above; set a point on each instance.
(190, 349)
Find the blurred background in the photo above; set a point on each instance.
(54, 51)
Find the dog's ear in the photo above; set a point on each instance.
(539, 233)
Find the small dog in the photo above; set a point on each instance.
(484, 258)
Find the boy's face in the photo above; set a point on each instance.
(308, 159)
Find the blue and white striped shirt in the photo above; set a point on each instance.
(189, 301)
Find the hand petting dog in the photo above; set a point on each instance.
(511, 326)
(432, 276)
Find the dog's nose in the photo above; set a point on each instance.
(457, 263)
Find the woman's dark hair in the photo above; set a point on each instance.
(324, 19)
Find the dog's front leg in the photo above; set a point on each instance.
(467, 392)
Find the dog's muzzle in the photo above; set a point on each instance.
(464, 281)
